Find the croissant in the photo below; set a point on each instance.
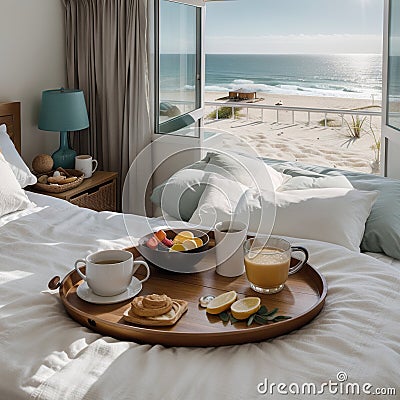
(151, 306)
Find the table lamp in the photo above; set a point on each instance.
(63, 110)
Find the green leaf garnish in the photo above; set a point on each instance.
(251, 319)
(261, 317)
(272, 312)
(233, 319)
(262, 311)
(224, 316)
(260, 320)
(281, 318)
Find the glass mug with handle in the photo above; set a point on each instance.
(267, 262)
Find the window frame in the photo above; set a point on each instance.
(198, 112)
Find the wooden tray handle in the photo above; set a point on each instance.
(54, 283)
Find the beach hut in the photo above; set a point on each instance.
(242, 94)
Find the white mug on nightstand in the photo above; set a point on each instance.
(86, 164)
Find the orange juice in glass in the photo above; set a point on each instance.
(267, 262)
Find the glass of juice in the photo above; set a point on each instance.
(268, 263)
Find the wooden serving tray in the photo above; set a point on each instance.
(302, 298)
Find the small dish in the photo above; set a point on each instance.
(86, 294)
(45, 187)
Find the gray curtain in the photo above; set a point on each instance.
(107, 58)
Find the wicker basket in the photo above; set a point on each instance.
(102, 199)
(55, 188)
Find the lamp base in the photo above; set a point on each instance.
(64, 157)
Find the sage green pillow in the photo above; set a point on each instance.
(180, 195)
(382, 229)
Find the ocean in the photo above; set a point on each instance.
(341, 75)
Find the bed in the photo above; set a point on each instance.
(46, 355)
(10, 115)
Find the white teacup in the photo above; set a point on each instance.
(86, 164)
(109, 272)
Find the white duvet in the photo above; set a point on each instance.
(46, 355)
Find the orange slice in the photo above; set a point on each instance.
(242, 309)
(161, 235)
(221, 303)
(198, 241)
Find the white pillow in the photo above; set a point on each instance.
(248, 170)
(330, 215)
(179, 195)
(218, 201)
(12, 197)
(20, 169)
(307, 182)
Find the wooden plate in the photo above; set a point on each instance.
(302, 298)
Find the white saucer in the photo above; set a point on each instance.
(85, 293)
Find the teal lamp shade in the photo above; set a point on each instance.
(63, 110)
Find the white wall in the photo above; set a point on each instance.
(32, 58)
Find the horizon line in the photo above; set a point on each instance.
(288, 54)
(279, 54)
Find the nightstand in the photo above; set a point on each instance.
(98, 193)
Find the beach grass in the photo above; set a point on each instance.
(330, 122)
(224, 113)
(355, 127)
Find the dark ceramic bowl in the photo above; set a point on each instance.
(182, 262)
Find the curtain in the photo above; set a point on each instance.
(107, 58)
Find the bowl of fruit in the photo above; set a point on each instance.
(178, 250)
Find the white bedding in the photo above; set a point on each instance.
(386, 259)
(46, 355)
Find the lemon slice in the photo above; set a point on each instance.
(198, 241)
(182, 236)
(177, 247)
(242, 309)
(189, 244)
(179, 239)
(221, 303)
(186, 234)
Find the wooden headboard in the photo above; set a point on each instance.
(10, 114)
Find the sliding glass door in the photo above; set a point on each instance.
(178, 67)
(393, 67)
(390, 140)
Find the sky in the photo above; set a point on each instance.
(294, 26)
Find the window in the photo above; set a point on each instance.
(178, 69)
(393, 73)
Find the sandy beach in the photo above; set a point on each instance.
(316, 144)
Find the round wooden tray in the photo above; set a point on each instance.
(302, 298)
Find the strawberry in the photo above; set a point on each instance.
(168, 242)
(152, 243)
